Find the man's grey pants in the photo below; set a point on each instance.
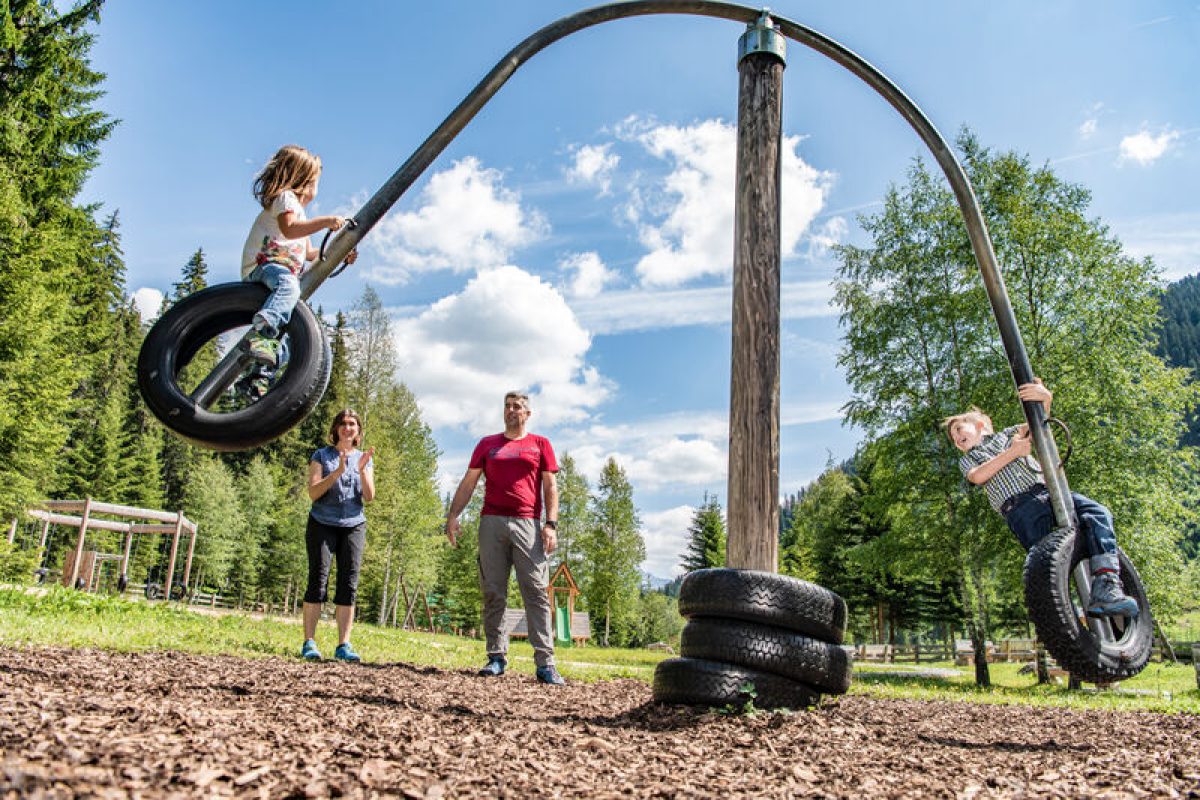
(506, 543)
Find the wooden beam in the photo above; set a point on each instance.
(113, 508)
(49, 518)
(753, 494)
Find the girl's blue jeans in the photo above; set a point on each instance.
(1033, 518)
(285, 293)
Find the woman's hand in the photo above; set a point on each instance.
(365, 460)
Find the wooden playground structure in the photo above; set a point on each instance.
(569, 625)
(83, 568)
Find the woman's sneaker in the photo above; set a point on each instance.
(345, 652)
(1108, 599)
(309, 651)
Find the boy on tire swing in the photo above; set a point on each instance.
(1000, 463)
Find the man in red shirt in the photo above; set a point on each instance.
(519, 470)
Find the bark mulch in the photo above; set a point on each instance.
(100, 724)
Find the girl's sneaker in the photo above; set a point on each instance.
(345, 652)
(309, 651)
(261, 348)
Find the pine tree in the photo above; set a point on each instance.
(100, 334)
(613, 550)
(49, 143)
(178, 456)
(372, 354)
(706, 537)
(259, 501)
(574, 516)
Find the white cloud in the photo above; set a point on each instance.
(467, 221)
(1145, 148)
(147, 301)
(688, 229)
(590, 274)
(593, 165)
(666, 536)
(685, 449)
(1091, 120)
(646, 309)
(1173, 240)
(507, 329)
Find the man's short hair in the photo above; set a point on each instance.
(524, 398)
(974, 416)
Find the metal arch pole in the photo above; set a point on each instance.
(981, 243)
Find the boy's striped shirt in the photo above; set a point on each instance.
(1015, 477)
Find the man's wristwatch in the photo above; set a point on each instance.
(552, 524)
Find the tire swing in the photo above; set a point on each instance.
(197, 319)
(1057, 588)
(1091, 649)
(755, 637)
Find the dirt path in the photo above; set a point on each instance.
(98, 724)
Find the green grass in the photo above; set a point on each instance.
(1162, 687)
(62, 617)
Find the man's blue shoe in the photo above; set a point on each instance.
(309, 651)
(548, 674)
(345, 652)
(494, 667)
(1109, 599)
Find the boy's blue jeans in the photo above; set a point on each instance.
(1033, 518)
(285, 293)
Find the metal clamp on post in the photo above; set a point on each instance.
(761, 36)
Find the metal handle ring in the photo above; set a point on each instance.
(350, 225)
(1067, 432)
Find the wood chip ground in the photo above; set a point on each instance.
(87, 723)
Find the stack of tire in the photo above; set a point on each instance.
(758, 637)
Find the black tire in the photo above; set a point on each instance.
(197, 319)
(691, 681)
(153, 591)
(766, 648)
(1069, 636)
(764, 597)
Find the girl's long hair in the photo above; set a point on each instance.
(290, 169)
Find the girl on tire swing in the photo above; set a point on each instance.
(277, 249)
(998, 462)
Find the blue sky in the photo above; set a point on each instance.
(576, 238)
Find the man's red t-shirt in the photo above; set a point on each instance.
(513, 471)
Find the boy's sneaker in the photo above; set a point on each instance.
(1109, 599)
(261, 348)
(345, 652)
(309, 651)
(548, 674)
(494, 667)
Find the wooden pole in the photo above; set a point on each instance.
(187, 565)
(125, 554)
(753, 493)
(83, 524)
(170, 578)
(45, 534)
(12, 531)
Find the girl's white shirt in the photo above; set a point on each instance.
(267, 244)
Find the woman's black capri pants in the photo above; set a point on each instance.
(324, 543)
